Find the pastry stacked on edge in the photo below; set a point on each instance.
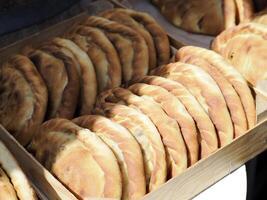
(86, 108)
(205, 16)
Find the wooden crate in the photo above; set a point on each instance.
(185, 186)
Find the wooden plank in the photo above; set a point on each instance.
(210, 170)
(46, 186)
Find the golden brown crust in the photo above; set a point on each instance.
(167, 127)
(245, 10)
(102, 53)
(23, 98)
(148, 137)
(88, 89)
(176, 110)
(235, 78)
(206, 91)
(74, 154)
(193, 15)
(126, 149)
(17, 178)
(207, 134)
(159, 36)
(7, 191)
(135, 64)
(59, 71)
(230, 13)
(127, 20)
(186, 55)
(242, 46)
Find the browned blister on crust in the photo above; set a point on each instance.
(102, 53)
(176, 110)
(167, 127)
(146, 134)
(208, 94)
(207, 135)
(127, 20)
(74, 154)
(233, 102)
(126, 150)
(131, 46)
(23, 98)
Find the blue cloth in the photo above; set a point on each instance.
(23, 16)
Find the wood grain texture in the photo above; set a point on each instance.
(210, 170)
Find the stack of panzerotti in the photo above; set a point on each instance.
(193, 16)
(142, 135)
(13, 183)
(244, 46)
(62, 77)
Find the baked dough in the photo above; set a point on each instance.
(16, 176)
(167, 127)
(88, 83)
(103, 55)
(234, 77)
(131, 46)
(146, 134)
(208, 94)
(193, 15)
(126, 149)
(23, 98)
(244, 47)
(127, 20)
(233, 102)
(60, 75)
(176, 110)
(78, 158)
(159, 36)
(7, 191)
(207, 135)
(245, 10)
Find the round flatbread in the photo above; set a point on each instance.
(244, 46)
(233, 102)
(88, 81)
(176, 110)
(207, 134)
(148, 137)
(16, 176)
(245, 10)
(235, 78)
(73, 155)
(208, 94)
(103, 55)
(60, 75)
(23, 98)
(159, 36)
(131, 46)
(7, 190)
(127, 20)
(167, 127)
(126, 149)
